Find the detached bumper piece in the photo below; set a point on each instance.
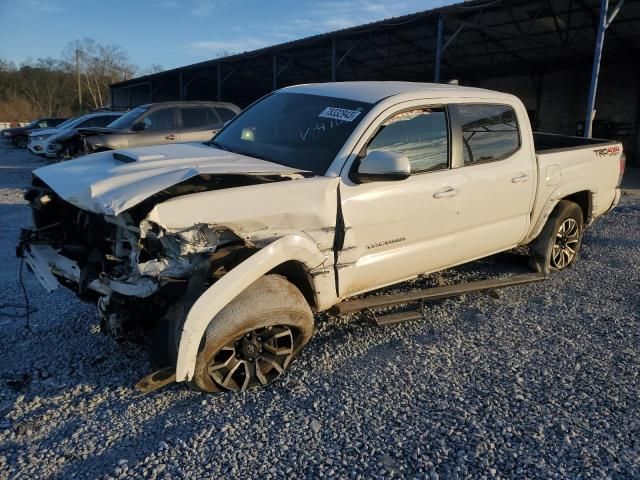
(156, 380)
(50, 267)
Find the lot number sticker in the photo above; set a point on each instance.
(336, 113)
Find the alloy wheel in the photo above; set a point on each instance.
(566, 244)
(254, 359)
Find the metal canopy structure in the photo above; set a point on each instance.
(467, 41)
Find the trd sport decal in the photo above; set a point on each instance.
(607, 151)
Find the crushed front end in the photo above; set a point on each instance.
(132, 268)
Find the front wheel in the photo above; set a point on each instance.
(20, 142)
(557, 246)
(254, 339)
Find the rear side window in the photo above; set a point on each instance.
(193, 117)
(162, 119)
(419, 134)
(489, 132)
(224, 113)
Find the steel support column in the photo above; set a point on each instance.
(333, 60)
(219, 83)
(602, 26)
(436, 78)
(274, 85)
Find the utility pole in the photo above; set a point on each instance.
(78, 78)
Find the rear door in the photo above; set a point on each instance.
(199, 123)
(161, 126)
(499, 178)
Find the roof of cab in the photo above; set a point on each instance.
(373, 92)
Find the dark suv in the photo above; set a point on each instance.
(157, 123)
(18, 136)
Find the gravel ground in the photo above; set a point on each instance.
(540, 383)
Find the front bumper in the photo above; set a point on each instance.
(36, 150)
(52, 269)
(53, 150)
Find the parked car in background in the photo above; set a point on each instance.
(49, 142)
(152, 124)
(40, 139)
(19, 136)
(315, 194)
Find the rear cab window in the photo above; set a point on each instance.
(490, 132)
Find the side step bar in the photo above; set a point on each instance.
(393, 318)
(434, 293)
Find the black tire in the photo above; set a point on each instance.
(20, 142)
(558, 244)
(240, 344)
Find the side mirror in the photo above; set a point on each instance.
(138, 127)
(382, 166)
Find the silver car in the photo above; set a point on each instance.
(158, 123)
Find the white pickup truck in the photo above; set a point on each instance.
(314, 194)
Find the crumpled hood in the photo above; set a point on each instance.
(111, 182)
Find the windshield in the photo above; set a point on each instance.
(293, 129)
(127, 119)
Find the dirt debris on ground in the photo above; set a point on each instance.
(542, 382)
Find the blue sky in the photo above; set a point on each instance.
(178, 32)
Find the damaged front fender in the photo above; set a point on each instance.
(291, 248)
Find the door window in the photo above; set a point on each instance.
(104, 120)
(160, 120)
(419, 134)
(194, 117)
(224, 113)
(97, 121)
(489, 132)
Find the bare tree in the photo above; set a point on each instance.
(153, 68)
(99, 66)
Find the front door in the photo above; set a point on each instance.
(161, 126)
(395, 230)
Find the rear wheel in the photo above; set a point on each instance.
(254, 339)
(557, 246)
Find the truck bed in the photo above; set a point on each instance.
(547, 142)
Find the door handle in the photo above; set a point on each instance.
(446, 193)
(520, 179)
(170, 137)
